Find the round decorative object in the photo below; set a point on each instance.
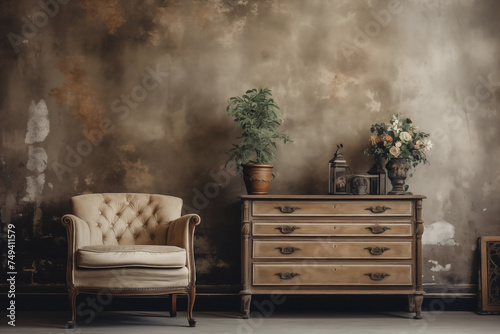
(397, 171)
(359, 185)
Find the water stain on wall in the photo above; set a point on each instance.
(210, 260)
(79, 94)
(168, 25)
(109, 11)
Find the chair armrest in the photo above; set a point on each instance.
(180, 233)
(78, 233)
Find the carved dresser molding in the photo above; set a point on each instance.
(315, 244)
(489, 275)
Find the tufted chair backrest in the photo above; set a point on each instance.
(127, 219)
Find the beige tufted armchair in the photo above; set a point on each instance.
(130, 244)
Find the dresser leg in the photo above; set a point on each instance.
(245, 305)
(411, 303)
(418, 306)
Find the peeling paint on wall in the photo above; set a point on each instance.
(440, 233)
(38, 128)
(38, 123)
(37, 159)
(438, 267)
(372, 105)
(34, 188)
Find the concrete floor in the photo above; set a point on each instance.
(277, 323)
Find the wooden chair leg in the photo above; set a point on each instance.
(72, 293)
(191, 294)
(173, 309)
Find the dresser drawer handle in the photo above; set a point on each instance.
(377, 250)
(378, 209)
(377, 276)
(287, 250)
(287, 209)
(287, 229)
(287, 275)
(377, 229)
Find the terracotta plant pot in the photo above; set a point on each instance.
(397, 171)
(257, 178)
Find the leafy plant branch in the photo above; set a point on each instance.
(257, 114)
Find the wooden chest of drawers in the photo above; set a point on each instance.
(332, 245)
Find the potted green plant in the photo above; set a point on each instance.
(258, 116)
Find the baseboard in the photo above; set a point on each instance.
(433, 290)
(459, 297)
(56, 289)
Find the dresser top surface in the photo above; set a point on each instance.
(333, 197)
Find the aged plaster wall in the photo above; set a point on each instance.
(130, 96)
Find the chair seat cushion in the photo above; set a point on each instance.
(116, 256)
(131, 278)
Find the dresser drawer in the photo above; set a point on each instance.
(331, 229)
(332, 208)
(264, 249)
(331, 274)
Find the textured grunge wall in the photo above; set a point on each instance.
(130, 96)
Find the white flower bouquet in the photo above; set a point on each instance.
(399, 139)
